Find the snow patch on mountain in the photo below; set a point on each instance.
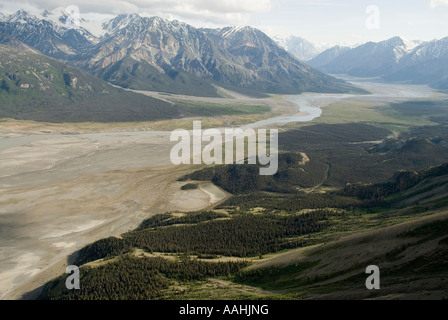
(302, 49)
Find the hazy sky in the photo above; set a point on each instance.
(327, 21)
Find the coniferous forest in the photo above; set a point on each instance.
(341, 180)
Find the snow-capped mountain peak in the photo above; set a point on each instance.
(426, 51)
(303, 49)
(3, 17)
(21, 16)
(119, 22)
(401, 47)
(55, 32)
(228, 32)
(60, 18)
(281, 40)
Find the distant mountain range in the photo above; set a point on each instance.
(157, 54)
(395, 59)
(170, 56)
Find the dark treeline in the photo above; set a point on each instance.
(339, 154)
(324, 137)
(378, 192)
(167, 219)
(136, 278)
(291, 202)
(403, 180)
(104, 248)
(354, 156)
(238, 179)
(242, 235)
(435, 110)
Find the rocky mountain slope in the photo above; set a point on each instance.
(158, 54)
(395, 59)
(36, 87)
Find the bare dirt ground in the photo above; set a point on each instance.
(63, 186)
(59, 193)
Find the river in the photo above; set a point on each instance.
(309, 108)
(53, 186)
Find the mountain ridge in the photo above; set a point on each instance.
(171, 56)
(395, 60)
(301, 48)
(36, 87)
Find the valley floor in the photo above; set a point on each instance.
(59, 194)
(63, 186)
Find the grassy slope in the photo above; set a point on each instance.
(408, 244)
(197, 108)
(35, 87)
(411, 257)
(332, 264)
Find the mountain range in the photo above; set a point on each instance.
(302, 49)
(394, 59)
(151, 53)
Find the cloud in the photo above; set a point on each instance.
(321, 3)
(222, 11)
(438, 3)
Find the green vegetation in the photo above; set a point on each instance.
(399, 261)
(137, 278)
(429, 231)
(161, 220)
(211, 234)
(363, 153)
(240, 179)
(276, 277)
(334, 180)
(402, 181)
(198, 108)
(35, 87)
(398, 116)
(291, 202)
(353, 157)
(430, 110)
(104, 248)
(242, 235)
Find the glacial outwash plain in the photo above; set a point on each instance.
(114, 129)
(64, 186)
